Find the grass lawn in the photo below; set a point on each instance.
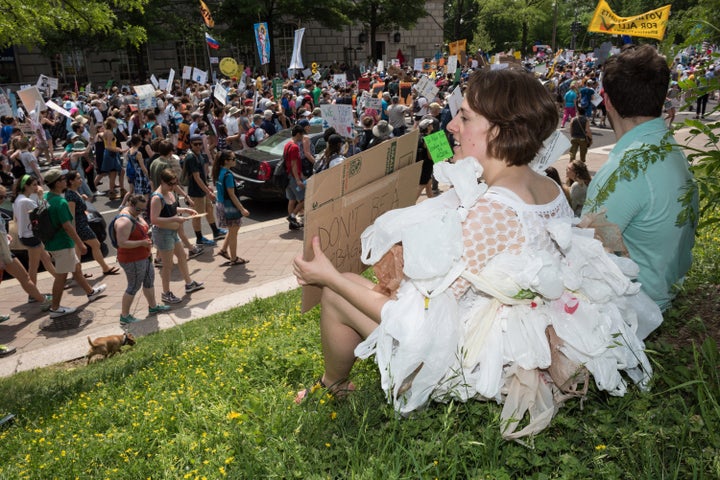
(214, 399)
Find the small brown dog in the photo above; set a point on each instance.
(108, 346)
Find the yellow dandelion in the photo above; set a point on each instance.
(327, 445)
(333, 415)
(233, 415)
(600, 447)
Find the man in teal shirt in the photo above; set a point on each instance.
(646, 208)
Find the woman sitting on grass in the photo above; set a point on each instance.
(490, 278)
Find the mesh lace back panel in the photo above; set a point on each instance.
(501, 221)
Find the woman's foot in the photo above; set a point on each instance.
(339, 390)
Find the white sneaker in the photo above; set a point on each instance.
(61, 311)
(96, 291)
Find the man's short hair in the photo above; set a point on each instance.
(636, 81)
(297, 129)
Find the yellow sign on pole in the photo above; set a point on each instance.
(650, 24)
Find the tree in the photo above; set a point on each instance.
(387, 14)
(32, 22)
(239, 16)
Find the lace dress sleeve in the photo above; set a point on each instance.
(490, 228)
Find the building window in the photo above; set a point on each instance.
(283, 43)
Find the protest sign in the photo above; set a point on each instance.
(451, 64)
(187, 73)
(170, 80)
(5, 109)
(344, 200)
(455, 101)
(30, 95)
(58, 108)
(154, 81)
(199, 76)
(418, 64)
(651, 24)
(340, 117)
(146, 96)
(162, 84)
(220, 93)
(339, 79)
(438, 146)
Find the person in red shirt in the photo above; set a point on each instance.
(295, 190)
(133, 254)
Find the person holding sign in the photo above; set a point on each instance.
(423, 155)
(472, 297)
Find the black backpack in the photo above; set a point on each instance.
(280, 176)
(111, 228)
(41, 223)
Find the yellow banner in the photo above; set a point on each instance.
(207, 17)
(650, 24)
(456, 47)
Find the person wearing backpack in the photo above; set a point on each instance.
(27, 192)
(131, 235)
(62, 245)
(195, 168)
(229, 209)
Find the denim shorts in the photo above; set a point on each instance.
(164, 238)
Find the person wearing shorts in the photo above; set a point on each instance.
(62, 245)
(27, 190)
(295, 190)
(195, 166)
(166, 217)
(135, 258)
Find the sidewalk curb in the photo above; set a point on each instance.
(72, 348)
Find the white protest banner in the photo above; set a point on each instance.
(339, 117)
(426, 88)
(58, 108)
(373, 102)
(596, 99)
(541, 69)
(296, 62)
(199, 76)
(474, 64)
(451, 64)
(171, 79)
(418, 64)
(47, 85)
(220, 93)
(342, 201)
(154, 80)
(146, 96)
(28, 96)
(340, 79)
(306, 73)
(88, 87)
(455, 100)
(5, 109)
(380, 66)
(187, 73)
(162, 84)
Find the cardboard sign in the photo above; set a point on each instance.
(170, 80)
(187, 72)
(29, 96)
(438, 146)
(220, 93)
(154, 81)
(418, 64)
(342, 201)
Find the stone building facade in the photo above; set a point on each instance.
(351, 45)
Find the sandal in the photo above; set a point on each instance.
(87, 275)
(336, 392)
(112, 271)
(238, 261)
(224, 254)
(5, 350)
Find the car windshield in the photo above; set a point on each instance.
(275, 144)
